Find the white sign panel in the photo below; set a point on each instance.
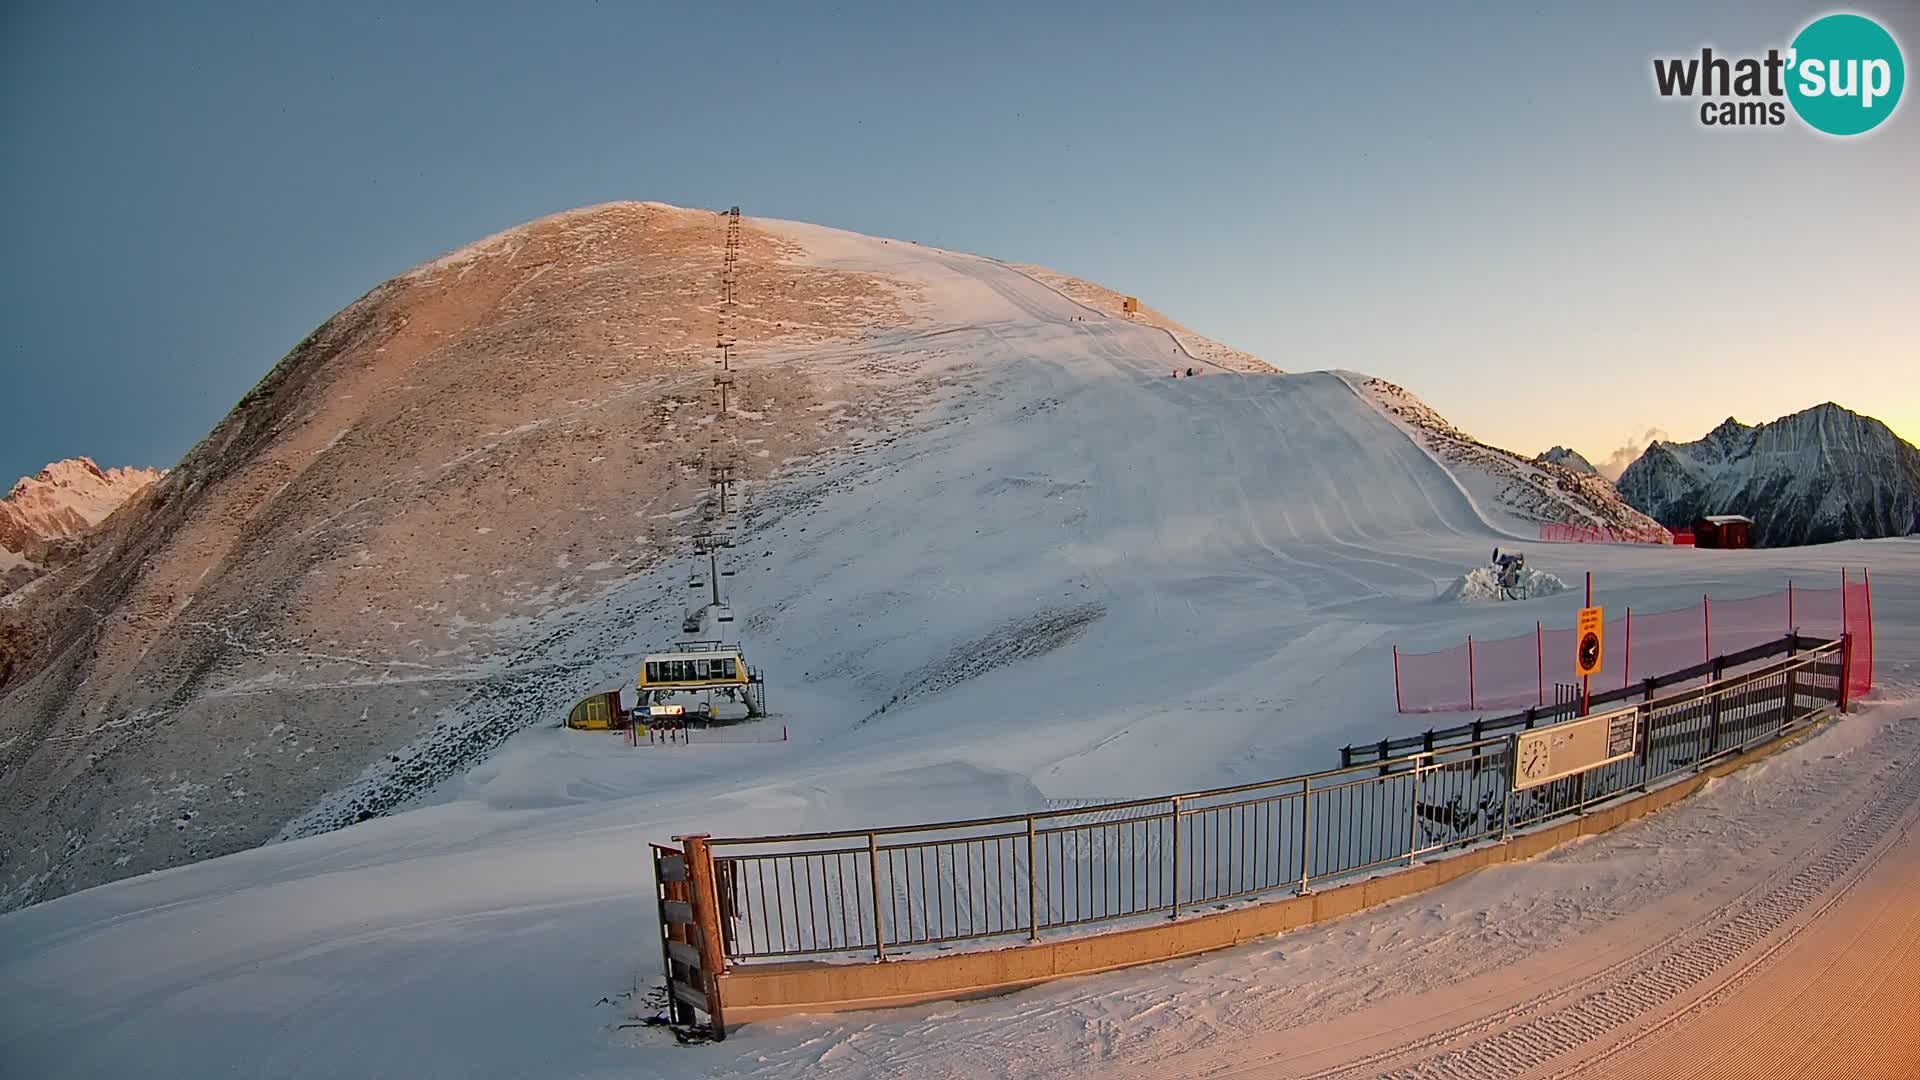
(1552, 753)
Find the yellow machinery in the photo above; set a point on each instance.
(699, 669)
(601, 712)
(711, 667)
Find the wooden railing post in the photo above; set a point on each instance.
(706, 919)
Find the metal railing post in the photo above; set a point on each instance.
(1176, 858)
(1413, 811)
(1786, 715)
(1645, 724)
(1306, 833)
(1846, 671)
(873, 871)
(1713, 725)
(1506, 806)
(1033, 886)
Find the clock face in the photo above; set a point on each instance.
(1533, 759)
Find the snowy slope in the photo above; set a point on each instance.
(1822, 474)
(1234, 529)
(1071, 577)
(1197, 346)
(1517, 494)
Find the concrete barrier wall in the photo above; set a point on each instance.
(762, 991)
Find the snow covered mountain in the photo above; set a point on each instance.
(1517, 493)
(62, 503)
(1822, 474)
(467, 500)
(1571, 459)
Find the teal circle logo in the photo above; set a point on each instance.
(1844, 74)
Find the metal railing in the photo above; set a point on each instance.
(1787, 645)
(892, 888)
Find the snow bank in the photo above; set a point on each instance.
(1482, 583)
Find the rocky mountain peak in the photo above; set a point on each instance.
(1824, 473)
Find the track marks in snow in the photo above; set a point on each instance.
(1021, 639)
(1657, 978)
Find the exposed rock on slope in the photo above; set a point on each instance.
(362, 547)
(44, 514)
(1822, 474)
(450, 511)
(1528, 493)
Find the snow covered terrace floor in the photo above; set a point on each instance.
(459, 940)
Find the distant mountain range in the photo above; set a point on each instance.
(44, 517)
(1825, 473)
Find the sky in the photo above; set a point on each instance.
(1488, 205)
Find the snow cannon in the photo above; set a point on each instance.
(1508, 572)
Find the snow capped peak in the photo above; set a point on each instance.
(1824, 473)
(72, 496)
(63, 501)
(1730, 432)
(1572, 459)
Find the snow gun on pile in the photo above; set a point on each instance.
(1508, 574)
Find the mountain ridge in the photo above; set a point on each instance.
(1568, 457)
(1822, 474)
(44, 517)
(457, 505)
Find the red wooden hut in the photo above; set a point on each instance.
(1723, 531)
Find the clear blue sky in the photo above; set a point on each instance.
(1490, 206)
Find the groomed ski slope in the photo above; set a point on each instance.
(1078, 579)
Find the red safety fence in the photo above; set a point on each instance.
(1519, 671)
(1557, 532)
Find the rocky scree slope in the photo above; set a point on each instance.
(365, 547)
